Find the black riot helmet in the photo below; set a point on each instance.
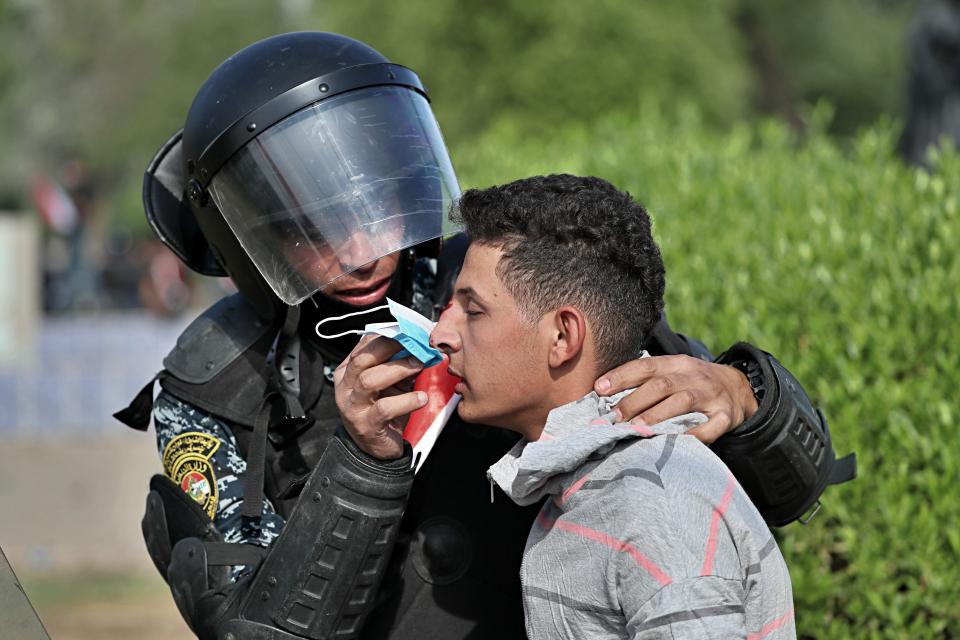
(304, 156)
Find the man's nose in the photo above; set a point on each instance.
(444, 336)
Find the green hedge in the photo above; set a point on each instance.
(843, 263)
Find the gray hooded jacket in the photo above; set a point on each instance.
(646, 534)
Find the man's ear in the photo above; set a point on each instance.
(568, 334)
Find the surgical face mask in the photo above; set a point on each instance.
(411, 330)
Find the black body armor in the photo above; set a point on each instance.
(451, 570)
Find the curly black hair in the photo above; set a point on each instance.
(573, 240)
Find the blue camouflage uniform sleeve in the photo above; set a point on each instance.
(200, 454)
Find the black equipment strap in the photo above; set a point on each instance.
(137, 414)
(229, 554)
(844, 469)
(283, 383)
(256, 462)
(287, 363)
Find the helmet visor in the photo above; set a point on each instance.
(336, 186)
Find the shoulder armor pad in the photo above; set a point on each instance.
(783, 455)
(214, 340)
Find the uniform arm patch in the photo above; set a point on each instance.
(186, 461)
(199, 452)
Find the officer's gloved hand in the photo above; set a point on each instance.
(205, 595)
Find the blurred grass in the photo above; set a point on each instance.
(92, 605)
(843, 263)
(58, 590)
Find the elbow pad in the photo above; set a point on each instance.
(321, 574)
(782, 456)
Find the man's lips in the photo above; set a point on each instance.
(461, 383)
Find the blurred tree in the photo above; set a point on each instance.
(850, 53)
(934, 95)
(12, 193)
(546, 64)
(108, 81)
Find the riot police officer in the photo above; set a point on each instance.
(312, 172)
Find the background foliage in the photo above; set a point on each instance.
(793, 227)
(107, 81)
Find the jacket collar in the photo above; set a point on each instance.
(575, 434)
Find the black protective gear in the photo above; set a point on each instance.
(203, 593)
(329, 159)
(338, 185)
(321, 575)
(255, 76)
(190, 554)
(169, 213)
(782, 455)
(664, 341)
(170, 517)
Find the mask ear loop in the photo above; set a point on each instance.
(359, 332)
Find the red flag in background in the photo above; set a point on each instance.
(56, 208)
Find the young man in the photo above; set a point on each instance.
(646, 534)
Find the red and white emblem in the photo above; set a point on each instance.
(196, 485)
